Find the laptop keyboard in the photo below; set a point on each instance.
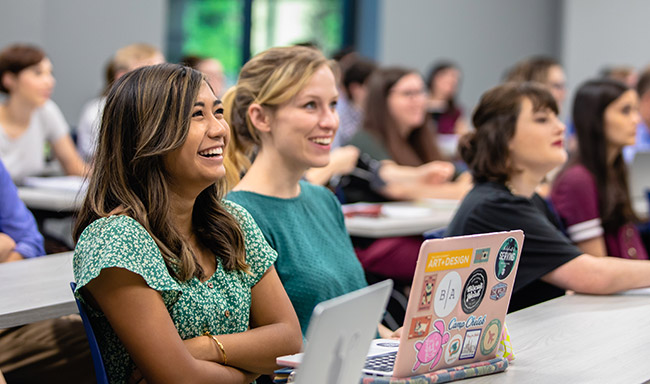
(382, 363)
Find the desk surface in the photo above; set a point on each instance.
(49, 199)
(579, 339)
(36, 289)
(404, 219)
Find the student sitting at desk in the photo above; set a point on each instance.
(284, 107)
(398, 133)
(518, 139)
(29, 119)
(591, 195)
(55, 349)
(179, 284)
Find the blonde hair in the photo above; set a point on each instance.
(126, 57)
(269, 79)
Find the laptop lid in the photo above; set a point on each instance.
(639, 175)
(339, 335)
(458, 302)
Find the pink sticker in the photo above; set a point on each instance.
(429, 350)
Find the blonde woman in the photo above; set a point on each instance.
(283, 109)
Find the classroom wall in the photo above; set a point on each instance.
(602, 33)
(79, 37)
(484, 37)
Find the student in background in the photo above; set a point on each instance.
(283, 108)
(179, 284)
(544, 70)
(125, 59)
(29, 118)
(591, 194)
(642, 142)
(518, 140)
(623, 73)
(442, 83)
(53, 350)
(212, 68)
(351, 103)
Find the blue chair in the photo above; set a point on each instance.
(98, 362)
(435, 233)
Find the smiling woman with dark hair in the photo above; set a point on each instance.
(518, 140)
(179, 285)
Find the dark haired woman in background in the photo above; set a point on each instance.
(518, 140)
(29, 118)
(591, 195)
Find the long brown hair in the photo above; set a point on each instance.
(592, 98)
(420, 145)
(147, 115)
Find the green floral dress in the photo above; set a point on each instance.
(219, 305)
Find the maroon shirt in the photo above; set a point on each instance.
(575, 198)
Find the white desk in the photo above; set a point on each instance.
(579, 339)
(415, 219)
(36, 289)
(53, 200)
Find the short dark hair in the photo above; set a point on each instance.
(485, 151)
(17, 57)
(643, 85)
(357, 72)
(534, 68)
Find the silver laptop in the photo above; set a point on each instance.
(640, 175)
(339, 335)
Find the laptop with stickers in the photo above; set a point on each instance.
(458, 302)
(338, 337)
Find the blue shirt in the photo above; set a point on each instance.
(16, 220)
(642, 143)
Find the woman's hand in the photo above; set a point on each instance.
(7, 246)
(436, 172)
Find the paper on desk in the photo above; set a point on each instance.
(637, 292)
(405, 211)
(62, 183)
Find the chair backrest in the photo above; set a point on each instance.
(98, 362)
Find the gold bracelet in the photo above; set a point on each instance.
(221, 348)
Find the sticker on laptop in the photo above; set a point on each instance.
(506, 258)
(447, 294)
(441, 261)
(453, 348)
(474, 290)
(491, 337)
(430, 350)
(426, 297)
(481, 255)
(419, 326)
(470, 344)
(498, 291)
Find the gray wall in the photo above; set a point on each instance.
(483, 37)
(602, 33)
(79, 36)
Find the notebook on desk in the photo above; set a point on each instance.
(458, 302)
(338, 337)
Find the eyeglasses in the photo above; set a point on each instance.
(558, 86)
(409, 93)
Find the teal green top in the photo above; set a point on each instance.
(219, 305)
(316, 261)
